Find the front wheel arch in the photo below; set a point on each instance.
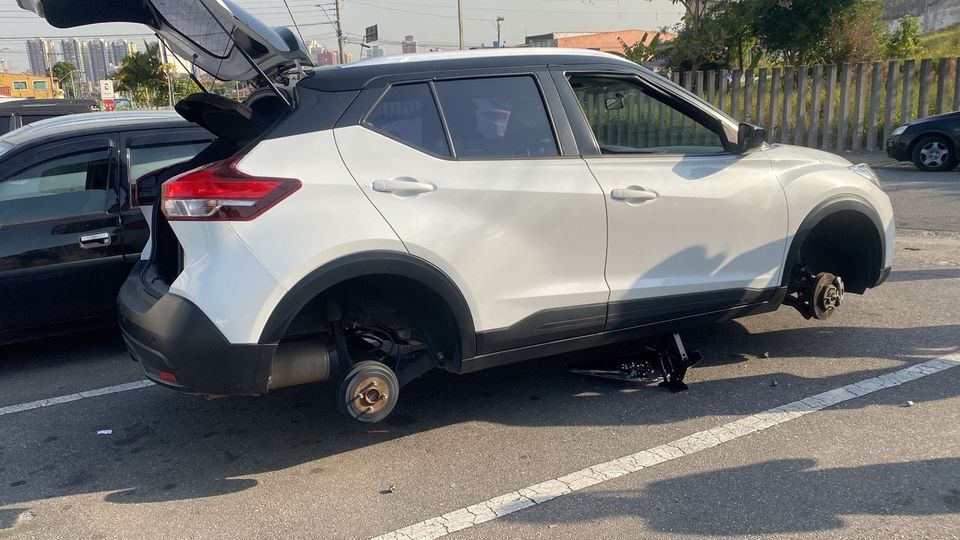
(848, 220)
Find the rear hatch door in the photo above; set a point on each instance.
(215, 35)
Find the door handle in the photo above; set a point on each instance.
(403, 186)
(95, 240)
(633, 194)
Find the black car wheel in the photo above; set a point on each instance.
(934, 153)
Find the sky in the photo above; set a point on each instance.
(432, 22)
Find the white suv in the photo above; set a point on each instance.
(462, 211)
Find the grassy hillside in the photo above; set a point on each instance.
(943, 43)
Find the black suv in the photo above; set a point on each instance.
(21, 112)
(70, 229)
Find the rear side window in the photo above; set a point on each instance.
(146, 159)
(61, 187)
(499, 117)
(409, 114)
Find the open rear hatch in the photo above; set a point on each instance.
(216, 36)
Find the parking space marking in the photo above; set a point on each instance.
(515, 501)
(41, 403)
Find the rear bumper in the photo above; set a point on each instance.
(172, 334)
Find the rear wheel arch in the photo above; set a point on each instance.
(847, 220)
(400, 267)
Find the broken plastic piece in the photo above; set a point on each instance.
(105, 432)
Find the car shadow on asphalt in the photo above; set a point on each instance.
(784, 496)
(167, 447)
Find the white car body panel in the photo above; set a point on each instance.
(719, 222)
(327, 218)
(810, 177)
(224, 279)
(517, 235)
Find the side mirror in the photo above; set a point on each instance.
(614, 103)
(749, 137)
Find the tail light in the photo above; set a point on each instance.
(219, 192)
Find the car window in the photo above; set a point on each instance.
(627, 120)
(146, 159)
(496, 117)
(56, 188)
(196, 23)
(409, 114)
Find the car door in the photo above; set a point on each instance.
(480, 188)
(143, 152)
(693, 227)
(60, 255)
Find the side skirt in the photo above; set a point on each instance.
(765, 303)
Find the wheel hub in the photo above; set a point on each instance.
(933, 154)
(370, 395)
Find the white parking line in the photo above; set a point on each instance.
(514, 501)
(39, 404)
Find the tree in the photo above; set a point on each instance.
(183, 87)
(794, 30)
(61, 72)
(142, 75)
(904, 42)
(857, 36)
(642, 51)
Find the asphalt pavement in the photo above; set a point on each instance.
(881, 463)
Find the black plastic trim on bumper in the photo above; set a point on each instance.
(172, 334)
(884, 275)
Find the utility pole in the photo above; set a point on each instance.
(499, 43)
(460, 20)
(340, 40)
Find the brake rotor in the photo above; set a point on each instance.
(827, 295)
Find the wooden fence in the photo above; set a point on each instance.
(833, 107)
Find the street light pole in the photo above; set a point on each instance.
(460, 20)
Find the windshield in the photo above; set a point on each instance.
(4, 146)
(196, 23)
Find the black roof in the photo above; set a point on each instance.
(357, 75)
(47, 105)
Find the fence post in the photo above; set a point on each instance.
(906, 105)
(723, 90)
(747, 95)
(843, 127)
(801, 105)
(830, 107)
(813, 135)
(774, 101)
(874, 115)
(943, 75)
(923, 103)
(711, 82)
(889, 115)
(956, 84)
(700, 91)
(735, 95)
(859, 107)
(786, 135)
(761, 99)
